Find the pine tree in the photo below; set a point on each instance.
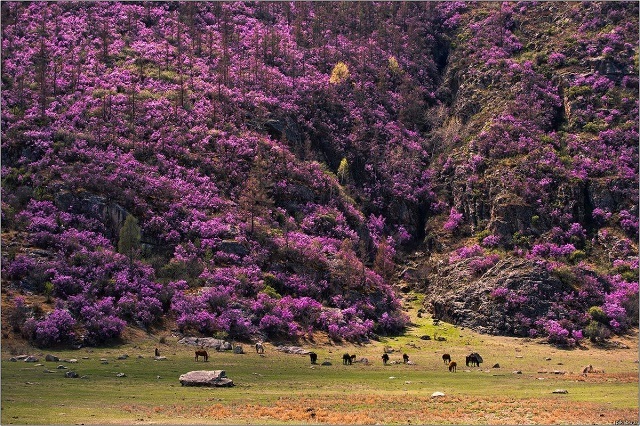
(254, 199)
(129, 241)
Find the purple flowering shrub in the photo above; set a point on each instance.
(227, 151)
(55, 328)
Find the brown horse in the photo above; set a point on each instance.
(405, 358)
(452, 367)
(202, 353)
(446, 358)
(385, 359)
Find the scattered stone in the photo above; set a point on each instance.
(85, 357)
(206, 342)
(39, 365)
(215, 378)
(51, 358)
(547, 359)
(517, 372)
(519, 356)
(560, 391)
(160, 358)
(84, 377)
(71, 375)
(21, 357)
(62, 367)
(13, 359)
(48, 371)
(425, 337)
(326, 363)
(71, 361)
(392, 377)
(123, 356)
(436, 394)
(121, 375)
(496, 365)
(104, 361)
(237, 349)
(31, 358)
(140, 357)
(559, 372)
(292, 350)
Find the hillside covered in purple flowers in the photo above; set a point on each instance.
(272, 170)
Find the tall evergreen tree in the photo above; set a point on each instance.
(129, 239)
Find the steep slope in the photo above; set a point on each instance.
(279, 158)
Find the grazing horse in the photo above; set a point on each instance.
(446, 358)
(472, 360)
(259, 348)
(346, 359)
(353, 358)
(202, 353)
(314, 357)
(385, 359)
(452, 367)
(405, 358)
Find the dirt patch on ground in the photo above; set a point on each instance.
(374, 409)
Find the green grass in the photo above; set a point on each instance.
(284, 388)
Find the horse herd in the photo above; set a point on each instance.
(472, 360)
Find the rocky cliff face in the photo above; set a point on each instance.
(459, 296)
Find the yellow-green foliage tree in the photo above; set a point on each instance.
(339, 74)
(343, 170)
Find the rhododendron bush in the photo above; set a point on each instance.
(277, 159)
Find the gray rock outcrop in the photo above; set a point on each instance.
(458, 297)
(210, 378)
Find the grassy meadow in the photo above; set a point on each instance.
(284, 388)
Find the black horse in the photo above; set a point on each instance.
(405, 358)
(346, 359)
(314, 357)
(385, 359)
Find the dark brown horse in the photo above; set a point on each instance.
(473, 359)
(202, 353)
(452, 367)
(385, 359)
(314, 357)
(346, 359)
(446, 358)
(405, 358)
